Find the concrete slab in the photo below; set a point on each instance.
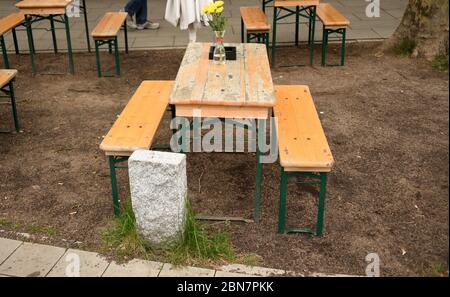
(170, 270)
(169, 36)
(220, 273)
(32, 260)
(253, 270)
(7, 247)
(134, 268)
(91, 264)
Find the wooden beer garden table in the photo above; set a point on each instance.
(54, 11)
(299, 8)
(240, 89)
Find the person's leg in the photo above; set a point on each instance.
(141, 12)
(132, 7)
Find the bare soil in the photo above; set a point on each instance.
(386, 120)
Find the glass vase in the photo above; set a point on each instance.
(219, 56)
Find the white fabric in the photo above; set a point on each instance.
(183, 13)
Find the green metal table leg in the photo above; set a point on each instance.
(321, 211)
(69, 44)
(86, 25)
(4, 52)
(115, 193)
(97, 54)
(13, 104)
(313, 29)
(52, 26)
(309, 30)
(324, 45)
(16, 44)
(125, 32)
(274, 36)
(30, 43)
(117, 54)
(110, 50)
(282, 208)
(259, 171)
(297, 24)
(343, 47)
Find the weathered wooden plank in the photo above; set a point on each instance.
(244, 82)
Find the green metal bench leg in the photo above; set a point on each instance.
(297, 24)
(14, 108)
(52, 26)
(343, 47)
(97, 54)
(313, 29)
(274, 36)
(324, 46)
(4, 52)
(117, 55)
(30, 43)
(242, 30)
(125, 32)
(282, 207)
(16, 44)
(86, 25)
(321, 210)
(115, 193)
(69, 44)
(267, 42)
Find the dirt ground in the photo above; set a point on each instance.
(386, 120)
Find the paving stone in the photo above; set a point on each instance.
(253, 270)
(32, 260)
(91, 264)
(7, 246)
(170, 270)
(168, 36)
(134, 268)
(220, 273)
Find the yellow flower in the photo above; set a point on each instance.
(219, 4)
(219, 10)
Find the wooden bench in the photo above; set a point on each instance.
(303, 148)
(106, 32)
(333, 23)
(7, 77)
(254, 20)
(9, 23)
(136, 127)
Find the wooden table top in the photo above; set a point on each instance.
(43, 3)
(292, 3)
(246, 82)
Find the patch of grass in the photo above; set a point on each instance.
(440, 63)
(440, 270)
(9, 224)
(405, 47)
(37, 229)
(197, 246)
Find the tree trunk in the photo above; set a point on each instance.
(426, 23)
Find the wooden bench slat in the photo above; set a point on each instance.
(6, 75)
(11, 21)
(109, 25)
(254, 19)
(330, 16)
(301, 139)
(137, 124)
